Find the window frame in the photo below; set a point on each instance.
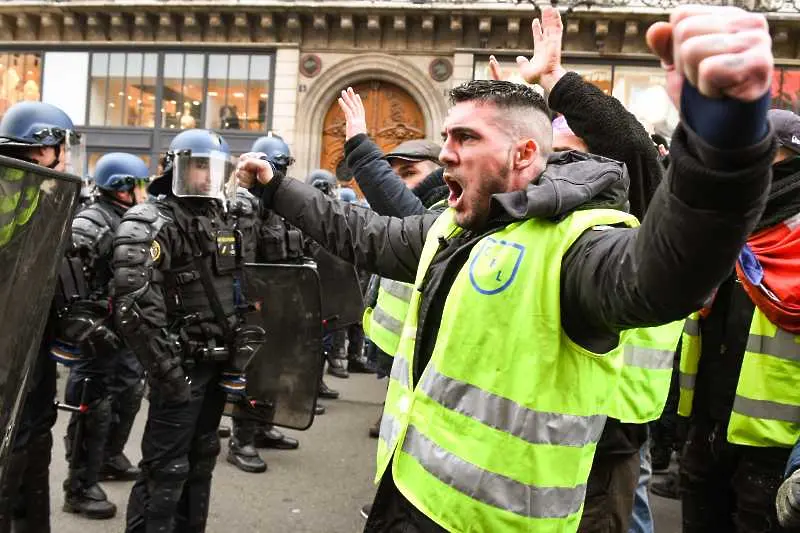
(161, 53)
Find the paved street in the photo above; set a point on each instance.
(316, 489)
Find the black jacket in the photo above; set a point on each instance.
(612, 131)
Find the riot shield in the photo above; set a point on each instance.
(36, 206)
(342, 300)
(283, 376)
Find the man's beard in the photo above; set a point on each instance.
(487, 186)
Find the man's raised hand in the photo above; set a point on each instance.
(253, 167)
(722, 51)
(354, 114)
(544, 67)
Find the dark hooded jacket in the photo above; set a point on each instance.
(611, 278)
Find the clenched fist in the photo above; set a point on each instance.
(253, 167)
(722, 51)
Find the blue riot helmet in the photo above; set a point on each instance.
(198, 164)
(276, 150)
(36, 124)
(323, 180)
(118, 171)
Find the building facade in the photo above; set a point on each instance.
(133, 73)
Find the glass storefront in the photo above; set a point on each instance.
(196, 90)
(20, 78)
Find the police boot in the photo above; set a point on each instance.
(119, 468)
(336, 366)
(360, 365)
(91, 502)
(269, 437)
(319, 409)
(788, 501)
(245, 457)
(326, 392)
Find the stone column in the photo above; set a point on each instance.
(284, 99)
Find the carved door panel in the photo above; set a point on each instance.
(392, 118)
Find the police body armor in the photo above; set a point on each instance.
(85, 326)
(35, 208)
(198, 286)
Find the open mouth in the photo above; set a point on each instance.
(456, 190)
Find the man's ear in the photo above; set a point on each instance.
(526, 154)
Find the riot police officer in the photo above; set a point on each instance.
(175, 262)
(111, 372)
(42, 134)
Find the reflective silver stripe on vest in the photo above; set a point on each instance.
(782, 345)
(650, 358)
(390, 429)
(380, 317)
(766, 409)
(490, 488)
(692, 327)
(400, 371)
(686, 381)
(536, 427)
(397, 289)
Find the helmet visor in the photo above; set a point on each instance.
(75, 148)
(201, 175)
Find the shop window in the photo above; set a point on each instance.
(183, 88)
(122, 89)
(238, 92)
(642, 90)
(20, 78)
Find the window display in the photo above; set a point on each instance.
(20, 78)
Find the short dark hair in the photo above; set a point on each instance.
(503, 94)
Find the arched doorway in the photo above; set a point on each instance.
(393, 116)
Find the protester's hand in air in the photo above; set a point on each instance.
(354, 114)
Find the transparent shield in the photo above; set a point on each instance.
(37, 205)
(202, 175)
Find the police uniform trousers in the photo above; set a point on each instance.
(86, 457)
(126, 389)
(25, 494)
(179, 451)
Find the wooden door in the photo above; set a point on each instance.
(392, 118)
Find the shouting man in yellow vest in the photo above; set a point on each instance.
(529, 285)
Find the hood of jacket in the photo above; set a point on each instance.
(571, 181)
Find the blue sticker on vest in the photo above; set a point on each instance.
(495, 266)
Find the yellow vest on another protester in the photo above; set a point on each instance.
(766, 409)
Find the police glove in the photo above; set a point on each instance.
(166, 372)
(101, 342)
(246, 343)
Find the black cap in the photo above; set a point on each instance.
(416, 150)
(787, 128)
